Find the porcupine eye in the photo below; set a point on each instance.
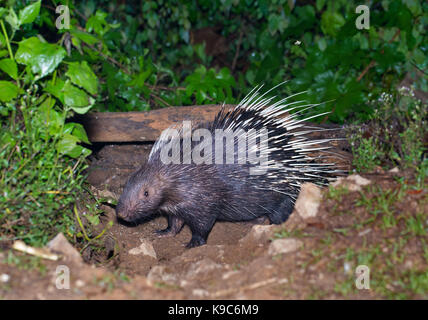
(146, 194)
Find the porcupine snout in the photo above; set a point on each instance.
(124, 209)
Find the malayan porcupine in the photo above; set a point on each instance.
(195, 178)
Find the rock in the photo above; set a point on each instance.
(61, 245)
(229, 274)
(200, 293)
(159, 274)
(284, 246)
(4, 277)
(259, 233)
(204, 266)
(80, 283)
(145, 248)
(394, 170)
(308, 201)
(352, 182)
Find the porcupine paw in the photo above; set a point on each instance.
(196, 241)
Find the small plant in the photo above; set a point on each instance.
(394, 136)
(42, 152)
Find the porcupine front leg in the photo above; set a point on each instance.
(175, 224)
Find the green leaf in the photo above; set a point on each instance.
(76, 98)
(29, 13)
(83, 76)
(84, 36)
(50, 118)
(56, 89)
(331, 22)
(13, 20)
(67, 143)
(2, 11)
(43, 58)
(320, 4)
(77, 130)
(9, 66)
(8, 91)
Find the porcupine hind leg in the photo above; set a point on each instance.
(200, 229)
(175, 224)
(281, 213)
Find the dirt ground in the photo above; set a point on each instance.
(383, 226)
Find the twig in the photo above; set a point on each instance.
(160, 99)
(235, 58)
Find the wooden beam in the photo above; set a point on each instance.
(141, 126)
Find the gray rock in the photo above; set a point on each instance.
(309, 199)
(145, 248)
(61, 245)
(284, 246)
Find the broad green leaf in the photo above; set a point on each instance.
(75, 97)
(84, 36)
(12, 19)
(83, 76)
(66, 143)
(77, 130)
(56, 89)
(29, 13)
(2, 11)
(43, 58)
(9, 67)
(8, 91)
(83, 110)
(49, 117)
(3, 53)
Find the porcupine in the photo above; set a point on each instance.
(235, 189)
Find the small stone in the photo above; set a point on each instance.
(204, 266)
(159, 274)
(201, 293)
(4, 277)
(80, 283)
(352, 182)
(229, 274)
(284, 246)
(359, 180)
(60, 244)
(145, 248)
(394, 170)
(308, 201)
(259, 233)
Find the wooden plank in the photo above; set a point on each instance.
(141, 126)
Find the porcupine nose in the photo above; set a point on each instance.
(121, 211)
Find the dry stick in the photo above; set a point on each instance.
(160, 99)
(235, 58)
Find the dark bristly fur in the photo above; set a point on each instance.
(200, 194)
